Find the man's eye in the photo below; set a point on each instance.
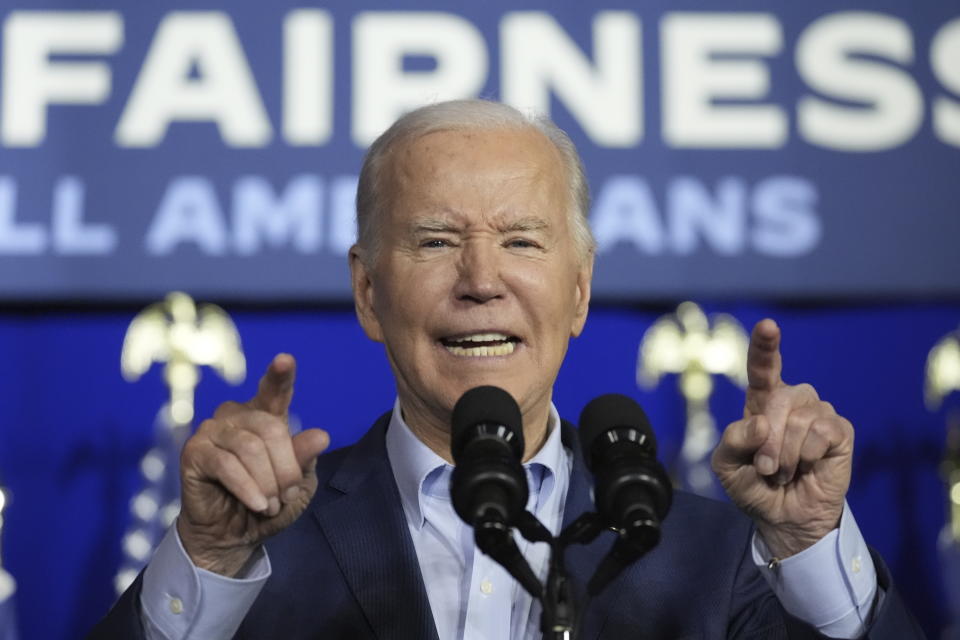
(521, 243)
(434, 243)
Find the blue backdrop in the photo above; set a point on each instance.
(73, 430)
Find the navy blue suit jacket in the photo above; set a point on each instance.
(348, 569)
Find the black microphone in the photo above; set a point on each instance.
(488, 486)
(632, 491)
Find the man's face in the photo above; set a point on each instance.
(477, 279)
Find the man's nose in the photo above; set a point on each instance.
(479, 273)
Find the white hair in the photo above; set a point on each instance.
(465, 115)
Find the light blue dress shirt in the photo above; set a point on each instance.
(830, 585)
(470, 594)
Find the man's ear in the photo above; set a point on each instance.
(582, 302)
(363, 294)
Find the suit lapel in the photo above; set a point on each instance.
(368, 534)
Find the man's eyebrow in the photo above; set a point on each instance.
(433, 225)
(529, 223)
(442, 225)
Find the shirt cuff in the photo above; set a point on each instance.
(180, 601)
(830, 585)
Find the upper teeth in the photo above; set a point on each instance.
(482, 337)
(503, 345)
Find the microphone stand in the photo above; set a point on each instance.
(560, 615)
(560, 612)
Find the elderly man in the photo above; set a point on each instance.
(473, 267)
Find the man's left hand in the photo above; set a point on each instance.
(787, 462)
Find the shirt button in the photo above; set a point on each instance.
(486, 587)
(176, 606)
(855, 564)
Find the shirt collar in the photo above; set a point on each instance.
(412, 461)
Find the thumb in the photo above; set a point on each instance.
(307, 445)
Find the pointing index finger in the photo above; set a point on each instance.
(764, 364)
(276, 386)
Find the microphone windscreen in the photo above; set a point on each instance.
(611, 411)
(485, 405)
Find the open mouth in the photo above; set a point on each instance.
(481, 344)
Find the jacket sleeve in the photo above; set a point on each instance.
(123, 620)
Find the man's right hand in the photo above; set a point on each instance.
(243, 477)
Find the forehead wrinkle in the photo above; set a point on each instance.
(419, 167)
